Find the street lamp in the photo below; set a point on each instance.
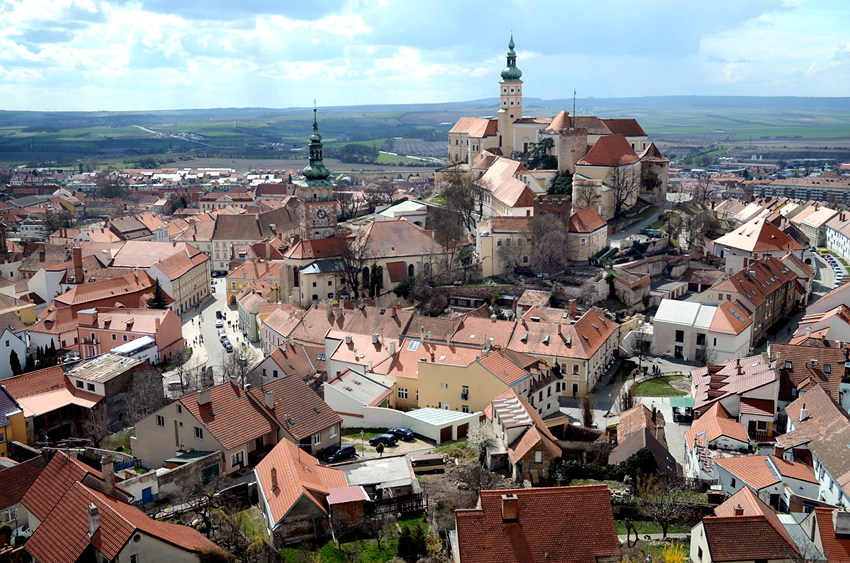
(242, 362)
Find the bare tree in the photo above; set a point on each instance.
(237, 367)
(201, 499)
(96, 424)
(627, 398)
(587, 409)
(640, 343)
(584, 195)
(379, 527)
(447, 225)
(111, 184)
(702, 188)
(354, 262)
(464, 197)
(146, 394)
(661, 500)
(549, 244)
(348, 204)
(378, 193)
(624, 181)
(478, 479)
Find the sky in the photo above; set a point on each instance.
(179, 54)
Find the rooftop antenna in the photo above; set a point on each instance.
(574, 102)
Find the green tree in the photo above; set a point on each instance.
(30, 365)
(562, 183)
(159, 299)
(15, 363)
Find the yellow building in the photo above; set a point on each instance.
(22, 309)
(12, 422)
(268, 272)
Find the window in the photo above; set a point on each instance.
(680, 336)
(734, 482)
(2, 437)
(134, 558)
(7, 344)
(700, 339)
(160, 420)
(237, 459)
(465, 408)
(402, 393)
(114, 337)
(699, 553)
(79, 385)
(317, 438)
(199, 433)
(264, 372)
(827, 368)
(179, 409)
(538, 457)
(90, 386)
(258, 443)
(125, 338)
(582, 242)
(314, 284)
(525, 259)
(575, 369)
(333, 431)
(761, 426)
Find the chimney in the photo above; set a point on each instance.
(374, 338)
(433, 356)
(204, 397)
(78, 265)
(108, 475)
(841, 523)
(654, 415)
(369, 366)
(510, 508)
(803, 413)
(778, 451)
(94, 519)
(739, 510)
(273, 473)
(572, 306)
(156, 323)
(559, 330)
(41, 255)
(394, 311)
(392, 347)
(348, 339)
(269, 400)
(492, 318)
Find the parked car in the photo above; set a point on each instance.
(221, 334)
(218, 315)
(228, 347)
(339, 453)
(685, 414)
(385, 439)
(405, 434)
(219, 323)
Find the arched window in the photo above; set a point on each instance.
(365, 277)
(410, 271)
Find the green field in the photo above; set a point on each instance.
(659, 387)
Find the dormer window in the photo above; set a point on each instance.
(788, 365)
(827, 368)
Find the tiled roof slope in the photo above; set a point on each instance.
(734, 539)
(716, 422)
(564, 524)
(586, 221)
(758, 280)
(231, 417)
(63, 536)
(18, 479)
(294, 401)
(796, 368)
(610, 150)
(298, 474)
(836, 549)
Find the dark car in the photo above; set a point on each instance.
(685, 414)
(218, 315)
(405, 434)
(385, 439)
(339, 453)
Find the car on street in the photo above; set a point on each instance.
(221, 334)
(219, 323)
(339, 453)
(683, 414)
(218, 315)
(228, 346)
(405, 434)
(385, 439)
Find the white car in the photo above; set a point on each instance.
(219, 323)
(221, 334)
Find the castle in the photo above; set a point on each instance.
(599, 153)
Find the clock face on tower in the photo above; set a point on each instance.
(321, 215)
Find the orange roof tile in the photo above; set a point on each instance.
(731, 539)
(564, 524)
(298, 409)
(716, 422)
(406, 361)
(586, 221)
(610, 150)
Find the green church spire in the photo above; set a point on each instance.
(511, 72)
(316, 173)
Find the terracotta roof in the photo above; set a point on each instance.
(730, 318)
(610, 150)
(293, 359)
(230, 416)
(564, 524)
(653, 154)
(298, 409)
(254, 226)
(510, 224)
(475, 126)
(625, 127)
(63, 535)
(757, 472)
(721, 380)
(759, 236)
(587, 220)
(732, 539)
(472, 331)
(716, 422)
(17, 480)
(580, 340)
(385, 239)
(644, 438)
(128, 290)
(298, 475)
(759, 407)
(437, 326)
(36, 382)
(363, 350)
(406, 361)
(178, 264)
(316, 248)
(836, 550)
(502, 366)
(502, 182)
(796, 367)
(319, 319)
(636, 419)
(282, 321)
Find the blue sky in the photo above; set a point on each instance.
(173, 54)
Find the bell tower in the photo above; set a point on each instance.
(510, 100)
(315, 193)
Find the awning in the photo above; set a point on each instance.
(682, 402)
(37, 405)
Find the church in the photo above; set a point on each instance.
(600, 154)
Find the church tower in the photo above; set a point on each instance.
(315, 194)
(510, 101)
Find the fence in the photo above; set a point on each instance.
(132, 464)
(412, 503)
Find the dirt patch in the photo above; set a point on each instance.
(683, 384)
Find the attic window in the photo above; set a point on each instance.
(827, 368)
(442, 358)
(788, 365)
(413, 346)
(291, 422)
(585, 338)
(317, 411)
(594, 326)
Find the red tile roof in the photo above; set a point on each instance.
(231, 417)
(586, 221)
(734, 539)
(63, 535)
(757, 470)
(17, 479)
(298, 475)
(610, 150)
(298, 409)
(564, 524)
(626, 127)
(635, 420)
(836, 550)
(716, 422)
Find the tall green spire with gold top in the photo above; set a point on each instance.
(316, 173)
(511, 72)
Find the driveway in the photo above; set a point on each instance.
(364, 450)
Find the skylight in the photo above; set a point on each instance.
(413, 345)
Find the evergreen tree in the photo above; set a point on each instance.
(159, 299)
(15, 363)
(404, 544)
(30, 365)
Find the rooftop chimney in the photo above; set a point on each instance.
(374, 338)
(739, 510)
(433, 356)
(204, 397)
(78, 265)
(269, 400)
(394, 311)
(369, 366)
(510, 508)
(94, 519)
(559, 330)
(778, 451)
(348, 339)
(273, 473)
(493, 318)
(803, 413)
(392, 347)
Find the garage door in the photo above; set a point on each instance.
(446, 434)
(462, 431)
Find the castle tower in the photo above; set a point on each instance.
(315, 194)
(510, 101)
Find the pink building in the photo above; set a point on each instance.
(102, 329)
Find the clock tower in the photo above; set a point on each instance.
(315, 194)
